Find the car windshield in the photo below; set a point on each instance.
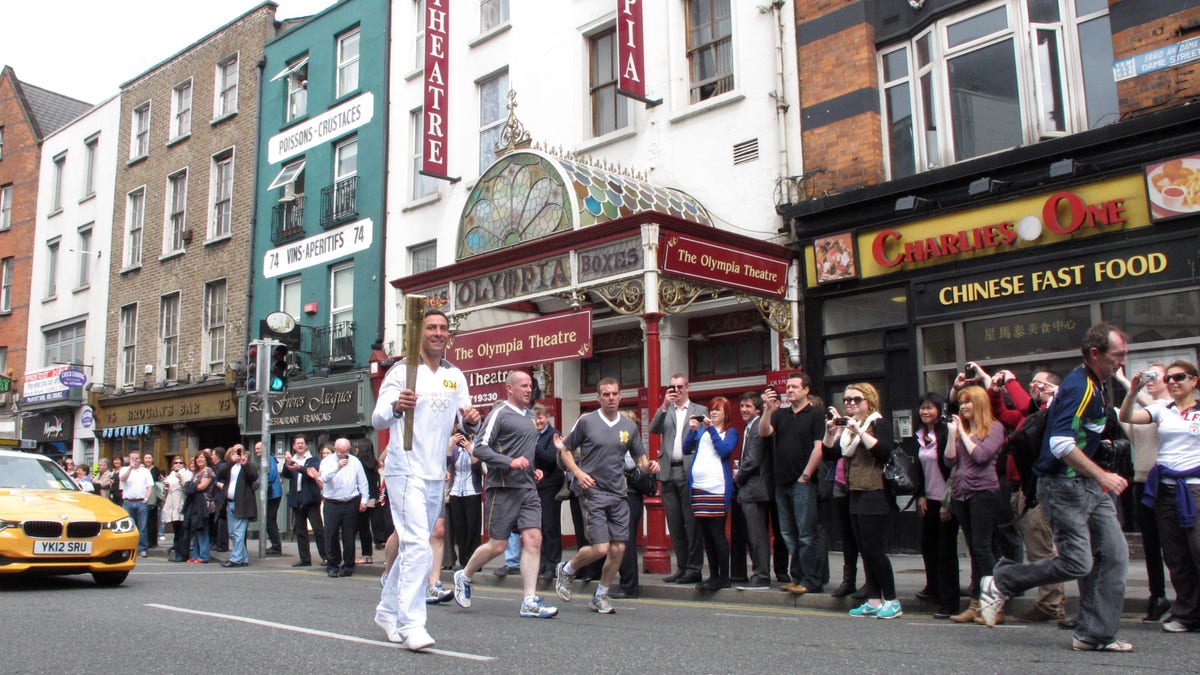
(31, 472)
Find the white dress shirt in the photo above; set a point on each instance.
(343, 483)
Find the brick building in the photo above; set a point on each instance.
(27, 115)
(181, 236)
(985, 180)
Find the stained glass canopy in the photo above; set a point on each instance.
(527, 195)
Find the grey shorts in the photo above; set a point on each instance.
(606, 516)
(508, 510)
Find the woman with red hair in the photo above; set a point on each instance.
(711, 440)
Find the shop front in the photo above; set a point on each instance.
(334, 407)
(52, 419)
(662, 288)
(191, 417)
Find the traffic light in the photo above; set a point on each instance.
(279, 368)
(252, 367)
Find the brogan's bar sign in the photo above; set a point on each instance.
(555, 337)
(437, 72)
(724, 266)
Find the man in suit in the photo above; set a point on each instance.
(753, 480)
(236, 480)
(671, 422)
(304, 499)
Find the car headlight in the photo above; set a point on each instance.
(5, 524)
(121, 526)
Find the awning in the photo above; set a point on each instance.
(123, 432)
(287, 175)
(291, 69)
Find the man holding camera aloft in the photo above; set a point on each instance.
(671, 422)
(237, 477)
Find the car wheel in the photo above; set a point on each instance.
(109, 578)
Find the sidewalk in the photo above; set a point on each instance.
(909, 571)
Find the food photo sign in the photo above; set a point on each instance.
(1173, 187)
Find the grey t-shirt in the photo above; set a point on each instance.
(508, 433)
(602, 446)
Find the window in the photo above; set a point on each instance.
(297, 91)
(90, 147)
(345, 159)
(3, 361)
(221, 192)
(214, 327)
(6, 206)
(176, 220)
(339, 201)
(492, 93)
(139, 145)
(419, 62)
(85, 256)
(492, 14)
(1, 141)
(60, 166)
(168, 336)
(422, 257)
(52, 268)
(226, 93)
(347, 63)
(181, 109)
(64, 345)
(709, 49)
(127, 356)
(135, 216)
(341, 295)
(6, 284)
(609, 110)
(289, 296)
(421, 185)
(984, 80)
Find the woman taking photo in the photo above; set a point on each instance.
(464, 504)
(200, 507)
(1177, 470)
(173, 509)
(939, 528)
(710, 482)
(865, 441)
(975, 440)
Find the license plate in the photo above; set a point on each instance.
(59, 547)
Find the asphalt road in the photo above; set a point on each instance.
(269, 619)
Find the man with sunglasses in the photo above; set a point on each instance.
(1078, 495)
(671, 423)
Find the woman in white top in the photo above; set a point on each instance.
(1173, 485)
(172, 509)
(713, 440)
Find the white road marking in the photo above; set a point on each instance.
(318, 633)
(756, 616)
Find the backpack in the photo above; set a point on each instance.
(1024, 445)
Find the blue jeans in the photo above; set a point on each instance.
(137, 511)
(512, 553)
(1091, 548)
(798, 523)
(237, 536)
(200, 544)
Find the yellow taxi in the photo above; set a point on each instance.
(49, 526)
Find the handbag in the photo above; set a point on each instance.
(899, 475)
(641, 481)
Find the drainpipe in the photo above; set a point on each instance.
(781, 103)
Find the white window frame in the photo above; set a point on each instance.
(135, 226)
(620, 104)
(339, 313)
(169, 306)
(290, 300)
(139, 131)
(127, 342)
(53, 247)
(490, 129)
(72, 336)
(695, 89)
(418, 252)
(422, 185)
(91, 146)
(2, 138)
(225, 88)
(85, 255)
(297, 91)
(175, 212)
(56, 187)
(220, 224)
(216, 308)
(933, 125)
(419, 56)
(6, 284)
(6, 207)
(492, 15)
(181, 110)
(340, 151)
(347, 71)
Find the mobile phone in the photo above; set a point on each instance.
(841, 421)
(829, 414)
(698, 418)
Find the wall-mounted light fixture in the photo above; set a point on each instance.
(985, 185)
(1063, 167)
(910, 203)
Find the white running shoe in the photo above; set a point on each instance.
(437, 594)
(991, 600)
(417, 639)
(389, 627)
(462, 589)
(562, 582)
(537, 610)
(600, 603)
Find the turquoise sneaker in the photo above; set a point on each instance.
(889, 610)
(865, 609)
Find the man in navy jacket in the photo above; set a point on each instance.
(304, 499)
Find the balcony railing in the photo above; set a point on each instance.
(287, 220)
(339, 201)
(333, 345)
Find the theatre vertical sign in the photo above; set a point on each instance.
(435, 113)
(630, 54)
